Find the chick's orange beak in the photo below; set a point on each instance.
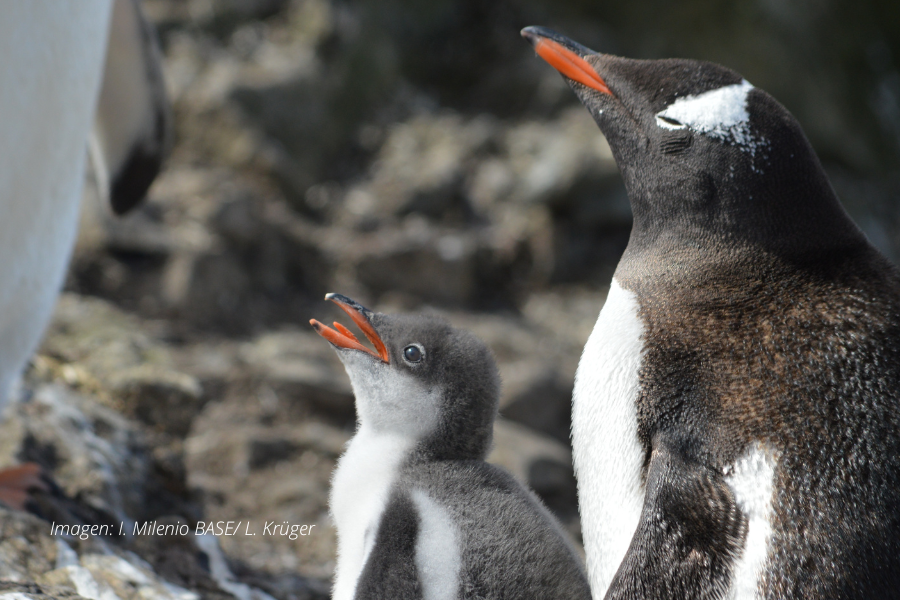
(342, 337)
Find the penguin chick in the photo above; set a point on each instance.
(736, 411)
(419, 513)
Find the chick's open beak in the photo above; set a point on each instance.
(342, 337)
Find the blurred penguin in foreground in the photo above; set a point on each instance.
(66, 95)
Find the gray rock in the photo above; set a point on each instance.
(161, 398)
(26, 547)
(93, 453)
(423, 263)
(38, 563)
(31, 591)
(536, 395)
(261, 458)
(422, 167)
(300, 367)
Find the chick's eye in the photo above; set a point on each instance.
(412, 354)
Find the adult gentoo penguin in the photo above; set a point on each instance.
(736, 418)
(419, 513)
(50, 78)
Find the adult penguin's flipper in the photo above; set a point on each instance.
(690, 535)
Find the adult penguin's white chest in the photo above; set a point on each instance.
(608, 457)
(51, 69)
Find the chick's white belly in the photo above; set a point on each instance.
(359, 495)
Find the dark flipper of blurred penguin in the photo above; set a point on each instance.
(132, 130)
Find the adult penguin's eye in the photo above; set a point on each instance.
(669, 122)
(413, 353)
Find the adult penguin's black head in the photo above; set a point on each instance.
(710, 162)
(425, 380)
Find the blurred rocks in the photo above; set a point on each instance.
(298, 367)
(307, 163)
(108, 417)
(418, 151)
(37, 564)
(92, 452)
(258, 457)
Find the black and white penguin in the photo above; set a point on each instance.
(419, 513)
(736, 414)
(50, 81)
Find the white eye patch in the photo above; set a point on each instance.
(720, 113)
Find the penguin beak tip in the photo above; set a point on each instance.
(554, 49)
(341, 337)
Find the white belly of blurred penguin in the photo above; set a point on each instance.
(53, 52)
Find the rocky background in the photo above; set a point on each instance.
(414, 155)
